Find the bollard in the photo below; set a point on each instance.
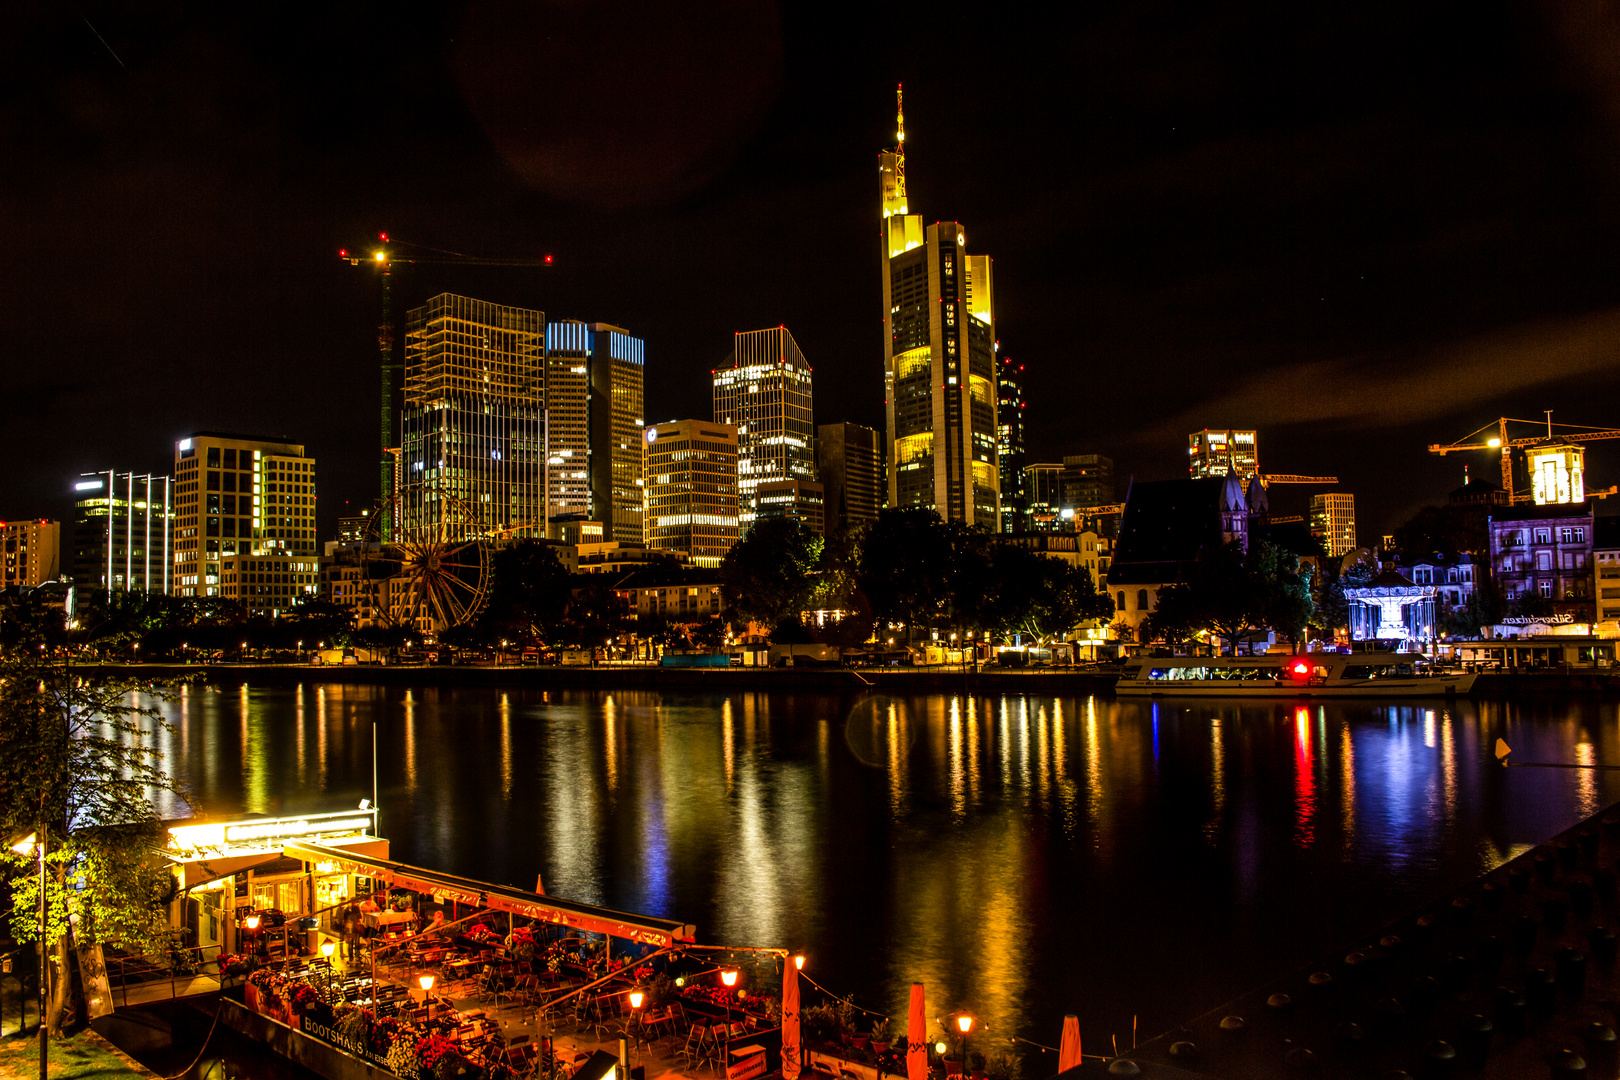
(1124, 1067)
(1581, 895)
(1567, 1064)
(1512, 1008)
(1234, 1025)
(1571, 971)
(1438, 1060)
(1602, 1051)
(1300, 1059)
(1541, 989)
(1279, 1002)
(1184, 1051)
(1348, 1040)
(1602, 941)
(1490, 953)
(1476, 1042)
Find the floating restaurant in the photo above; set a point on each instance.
(347, 962)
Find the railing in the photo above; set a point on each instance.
(179, 965)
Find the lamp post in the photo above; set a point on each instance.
(327, 949)
(34, 844)
(964, 1024)
(729, 978)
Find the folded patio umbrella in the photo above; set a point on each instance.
(1069, 1048)
(917, 1036)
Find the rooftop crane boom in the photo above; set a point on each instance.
(392, 372)
(1289, 478)
(1507, 445)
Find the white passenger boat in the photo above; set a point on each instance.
(1280, 676)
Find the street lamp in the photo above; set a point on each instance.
(964, 1024)
(327, 949)
(34, 844)
(728, 976)
(798, 961)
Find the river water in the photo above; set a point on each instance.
(1023, 857)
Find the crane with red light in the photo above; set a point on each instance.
(383, 258)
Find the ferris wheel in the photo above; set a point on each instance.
(434, 572)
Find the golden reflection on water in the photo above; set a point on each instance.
(506, 747)
(1586, 785)
(320, 734)
(410, 741)
(1347, 787)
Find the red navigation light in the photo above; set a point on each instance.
(1301, 667)
(383, 237)
(343, 253)
(548, 260)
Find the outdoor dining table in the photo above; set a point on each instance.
(378, 919)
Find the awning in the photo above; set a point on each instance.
(596, 920)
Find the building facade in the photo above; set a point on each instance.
(1606, 568)
(850, 464)
(595, 378)
(1043, 498)
(765, 395)
(244, 510)
(939, 360)
(1216, 453)
(692, 489)
(123, 532)
(1546, 552)
(30, 553)
(801, 500)
(1010, 444)
(1333, 521)
(472, 422)
(1087, 480)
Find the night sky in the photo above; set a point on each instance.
(1360, 228)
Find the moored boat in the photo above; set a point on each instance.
(1282, 676)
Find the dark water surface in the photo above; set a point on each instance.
(1024, 857)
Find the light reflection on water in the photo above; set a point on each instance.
(1022, 857)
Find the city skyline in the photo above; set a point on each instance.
(1169, 254)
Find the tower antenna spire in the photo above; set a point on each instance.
(900, 141)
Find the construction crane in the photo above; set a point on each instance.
(1501, 441)
(1288, 478)
(383, 258)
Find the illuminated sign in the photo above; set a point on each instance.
(1561, 619)
(87, 485)
(221, 834)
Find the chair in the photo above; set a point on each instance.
(691, 1051)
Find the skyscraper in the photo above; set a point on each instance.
(244, 520)
(1043, 490)
(1088, 480)
(30, 553)
(850, 462)
(472, 420)
(765, 394)
(594, 378)
(1010, 443)
(1215, 453)
(801, 500)
(1333, 521)
(939, 360)
(692, 489)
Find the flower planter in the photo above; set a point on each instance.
(839, 1065)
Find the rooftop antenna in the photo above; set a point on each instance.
(900, 141)
(1549, 424)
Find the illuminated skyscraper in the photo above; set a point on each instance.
(121, 530)
(849, 458)
(473, 416)
(1216, 453)
(30, 553)
(1333, 521)
(692, 489)
(594, 411)
(939, 360)
(765, 394)
(244, 520)
(1010, 444)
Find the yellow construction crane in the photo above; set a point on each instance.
(1500, 440)
(1287, 478)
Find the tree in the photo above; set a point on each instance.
(905, 567)
(596, 614)
(1037, 595)
(1287, 605)
(529, 594)
(78, 765)
(1175, 617)
(767, 575)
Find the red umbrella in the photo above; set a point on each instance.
(1069, 1048)
(790, 1019)
(917, 1036)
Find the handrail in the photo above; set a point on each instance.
(157, 963)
